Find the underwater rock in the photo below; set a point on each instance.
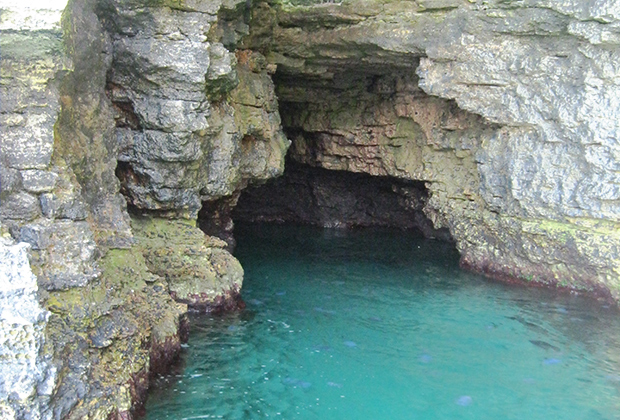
(464, 401)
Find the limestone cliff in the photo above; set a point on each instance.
(118, 103)
(506, 110)
(126, 124)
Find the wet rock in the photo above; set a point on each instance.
(198, 272)
(109, 328)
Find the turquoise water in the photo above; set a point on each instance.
(376, 324)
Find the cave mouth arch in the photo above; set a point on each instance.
(359, 137)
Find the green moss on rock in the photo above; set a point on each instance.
(196, 268)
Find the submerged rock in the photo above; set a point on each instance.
(464, 401)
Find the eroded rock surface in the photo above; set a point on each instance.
(122, 96)
(26, 376)
(194, 121)
(519, 160)
(199, 272)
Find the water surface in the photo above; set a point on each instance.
(378, 324)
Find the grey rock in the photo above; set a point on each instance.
(65, 253)
(149, 148)
(56, 206)
(37, 181)
(182, 142)
(10, 180)
(166, 147)
(20, 206)
(23, 367)
(171, 115)
(177, 68)
(221, 76)
(30, 146)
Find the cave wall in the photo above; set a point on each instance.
(338, 199)
(505, 110)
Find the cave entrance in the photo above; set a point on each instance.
(356, 156)
(337, 199)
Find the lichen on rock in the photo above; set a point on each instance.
(198, 271)
(125, 90)
(27, 377)
(109, 334)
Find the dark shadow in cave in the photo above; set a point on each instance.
(338, 199)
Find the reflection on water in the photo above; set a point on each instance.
(375, 324)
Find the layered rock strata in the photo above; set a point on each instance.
(504, 109)
(194, 121)
(118, 96)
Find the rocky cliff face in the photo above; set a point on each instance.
(496, 120)
(118, 102)
(504, 109)
(27, 377)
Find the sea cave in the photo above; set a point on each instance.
(309, 209)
